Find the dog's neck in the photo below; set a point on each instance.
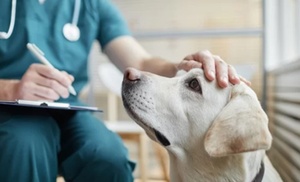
(199, 166)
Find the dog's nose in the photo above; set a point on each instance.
(132, 74)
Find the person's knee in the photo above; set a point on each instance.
(114, 155)
(95, 162)
(110, 160)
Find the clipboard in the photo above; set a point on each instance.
(48, 105)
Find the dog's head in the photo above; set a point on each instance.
(187, 111)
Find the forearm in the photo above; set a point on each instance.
(159, 66)
(125, 52)
(8, 87)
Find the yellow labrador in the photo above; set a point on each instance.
(211, 134)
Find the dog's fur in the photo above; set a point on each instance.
(211, 134)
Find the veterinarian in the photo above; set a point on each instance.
(36, 145)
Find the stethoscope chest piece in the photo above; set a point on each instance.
(71, 32)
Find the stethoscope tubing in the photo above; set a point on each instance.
(6, 35)
(76, 12)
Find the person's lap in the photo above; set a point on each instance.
(87, 150)
(96, 146)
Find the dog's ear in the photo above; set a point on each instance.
(241, 126)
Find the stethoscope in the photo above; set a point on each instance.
(70, 30)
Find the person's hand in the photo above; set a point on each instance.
(41, 82)
(213, 66)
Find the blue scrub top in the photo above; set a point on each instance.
(43, 25)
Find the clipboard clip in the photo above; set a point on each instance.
(44, 104)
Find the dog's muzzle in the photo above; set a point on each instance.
(138, 102)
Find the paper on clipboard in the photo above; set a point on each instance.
(49, 105)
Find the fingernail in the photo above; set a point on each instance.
(235, 80)
(212, 74)
(224, 79)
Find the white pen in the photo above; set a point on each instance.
(41, 57)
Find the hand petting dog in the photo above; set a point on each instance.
(214, 67)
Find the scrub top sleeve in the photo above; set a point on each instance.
(112, 24)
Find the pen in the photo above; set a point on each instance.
(41, 57)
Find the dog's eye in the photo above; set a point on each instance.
(194, 84)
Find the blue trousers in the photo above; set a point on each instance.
(36, 145)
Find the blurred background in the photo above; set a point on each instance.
(261, 38)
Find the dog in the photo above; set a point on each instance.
(211, 134)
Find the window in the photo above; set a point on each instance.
(282, 31)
